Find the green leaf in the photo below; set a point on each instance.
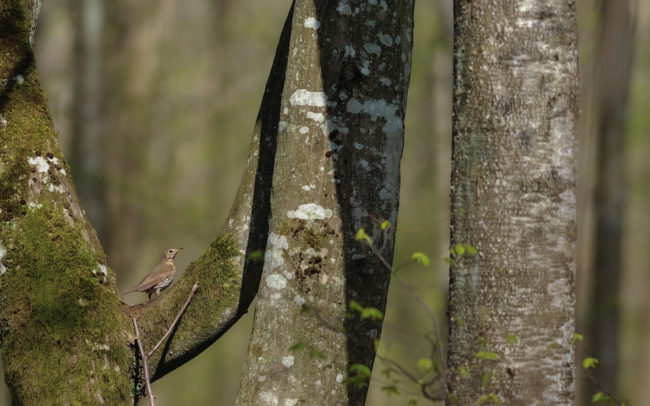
(590, 362)
(360, 369)
(449, 261)
(512, 339)
(413, 402)
(489, 398)
(297, 347)
(390, 389)
(460, 249)
(358, 381)
(470, 250)
(421, 258)
(602, 397)
(256, 256)
(362, 236)
(464, 371)
(487, 355)
(576, 337)
(354, 305)
(315, 353)
(485, 379)
(371, 313)
(385, 224)
(425, 365)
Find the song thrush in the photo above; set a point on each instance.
(161, 276)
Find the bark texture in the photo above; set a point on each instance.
(511, 307)
(613, 64)
(340, 138)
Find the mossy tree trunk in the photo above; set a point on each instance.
(340, 137)
(63, 329)
(511, 307)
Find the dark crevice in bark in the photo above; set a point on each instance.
(366, 278)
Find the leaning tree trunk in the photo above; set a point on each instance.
(340, 137)
(613, 64)
(511, 307)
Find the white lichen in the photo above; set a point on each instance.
(299, 300)
(3, 252)
(33, 205)
(372, 48)
(344, 9)
(385, 39)
(311, 22)
(287, 361)
(303, 97)
(39, 163)
(309, 211)
(276, 281)
(273, 258)
(318, 117)
(268, 398)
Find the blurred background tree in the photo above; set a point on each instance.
(152, 98)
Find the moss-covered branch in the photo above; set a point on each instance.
(227, 274)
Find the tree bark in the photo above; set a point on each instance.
(511, 307)
(340, 138)
(613, 68)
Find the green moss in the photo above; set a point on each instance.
(61, 325)
(219, 289)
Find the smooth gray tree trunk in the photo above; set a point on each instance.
(515, 112)
(340, 138)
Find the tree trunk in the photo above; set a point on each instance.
(511, 307)
(340, 137)
(614, 61)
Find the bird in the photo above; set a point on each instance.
(161, 276)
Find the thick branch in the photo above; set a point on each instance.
(229, 278)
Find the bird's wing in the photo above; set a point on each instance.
(159, 274)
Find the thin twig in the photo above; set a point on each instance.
(602, 389)
(145, 362)
(395, 366)
(411, 290)
(178, 316)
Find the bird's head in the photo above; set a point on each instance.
(171, 253)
